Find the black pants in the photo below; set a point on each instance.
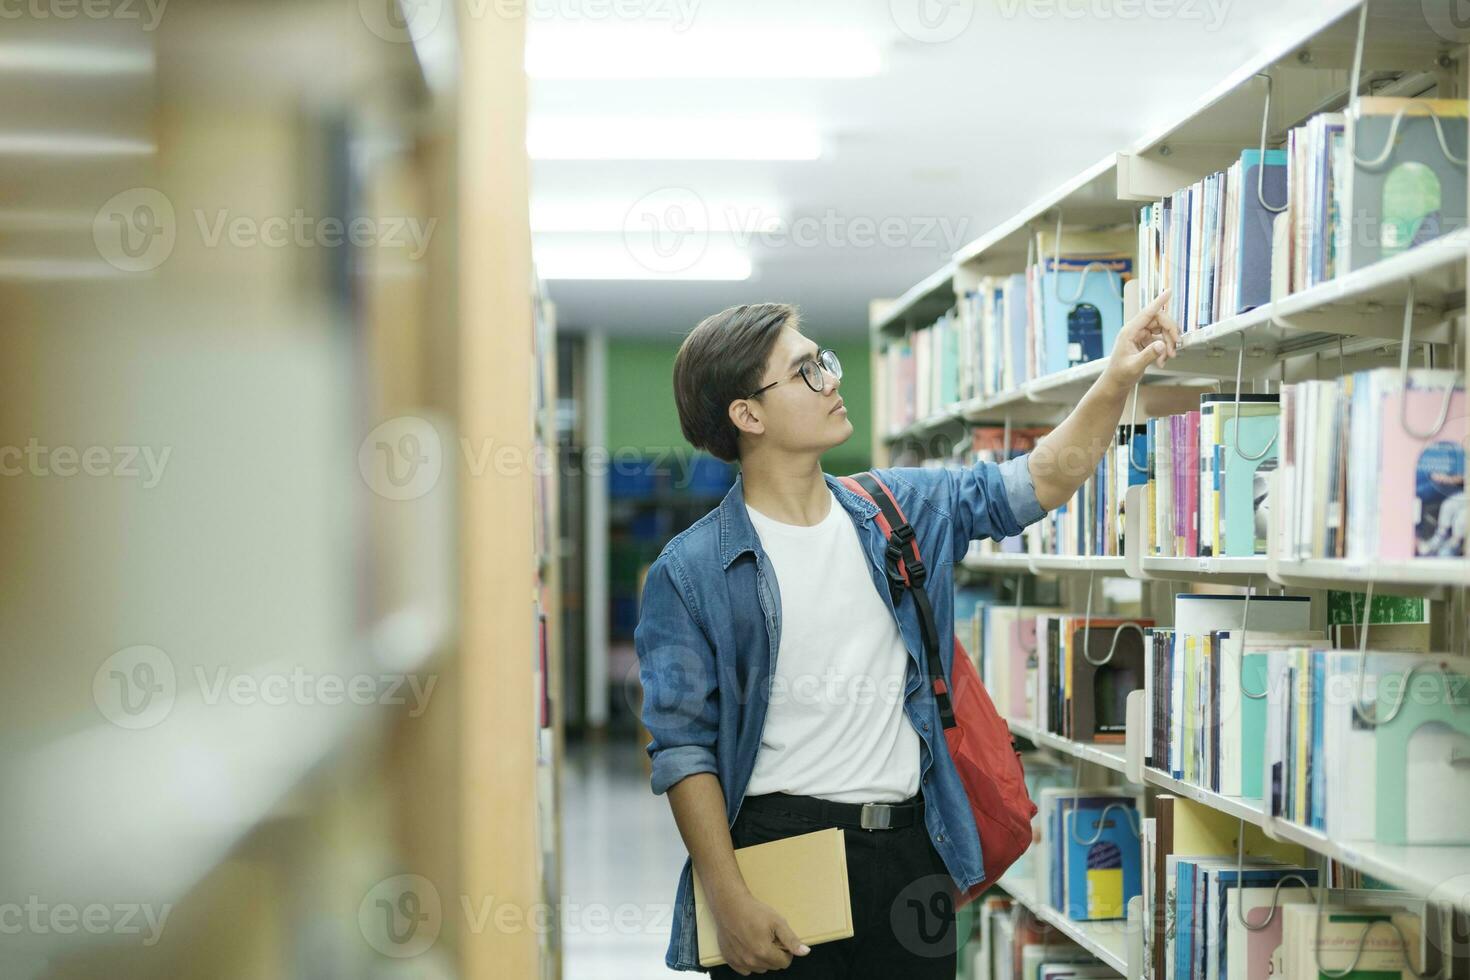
(903, 916)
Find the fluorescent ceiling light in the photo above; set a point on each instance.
(614, 261)
(71, 145)
(667, 209)
(563, 51)
(666, 138)
(73, 59)
(53, 270)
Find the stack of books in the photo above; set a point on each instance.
(1304, 212)
(1338, 728)
(1032, 661)
(1213, 916)
(1206, 477)
(1197, 726)
(1211, 241)
(1372, 468)
(1090, 523)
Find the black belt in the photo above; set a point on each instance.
(858, 816)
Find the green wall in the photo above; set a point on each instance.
(641, 409)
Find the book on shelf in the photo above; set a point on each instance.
(1183, 677)
(1090, 861)
(1081, 302)
(1383, 461)
(1362, 746)
(1009, 657)
(1304, 211)
(1094, 709)
(1206, 477)
(1408, 182)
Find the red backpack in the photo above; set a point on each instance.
(978, 739)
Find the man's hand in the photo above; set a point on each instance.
(1151, 337)
(755, 938)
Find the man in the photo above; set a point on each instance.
(783, 689)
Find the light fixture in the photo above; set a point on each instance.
(597, 51)
(71, 145)
(615, 261)
(74, 59)
(667, 138)
(668, 208)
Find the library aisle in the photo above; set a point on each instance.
(616, 489)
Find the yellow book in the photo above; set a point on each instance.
(804, 878)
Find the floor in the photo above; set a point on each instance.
(622, 855)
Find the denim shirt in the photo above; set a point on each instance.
(710, 627)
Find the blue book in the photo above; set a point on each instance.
(1064, 805)
(1253, 258)
(1105, 873)
(1082, 309)
(1183, 918)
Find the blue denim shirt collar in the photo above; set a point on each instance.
(737, 534)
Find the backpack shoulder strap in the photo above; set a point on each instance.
(906, 573)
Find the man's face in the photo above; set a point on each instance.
(797, 418)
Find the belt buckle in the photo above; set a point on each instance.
(876, 816)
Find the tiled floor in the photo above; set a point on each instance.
(622, 856)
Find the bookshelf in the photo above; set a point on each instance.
(547, 647)
(1351, 322)
(1107, 940)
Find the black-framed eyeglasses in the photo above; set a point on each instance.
(811, 371)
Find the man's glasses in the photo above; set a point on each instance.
(811, 372)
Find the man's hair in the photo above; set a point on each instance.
(721, 360)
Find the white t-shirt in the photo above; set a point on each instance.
(835, 725)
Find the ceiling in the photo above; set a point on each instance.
(977, 108)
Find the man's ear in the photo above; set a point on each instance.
(743, 417)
